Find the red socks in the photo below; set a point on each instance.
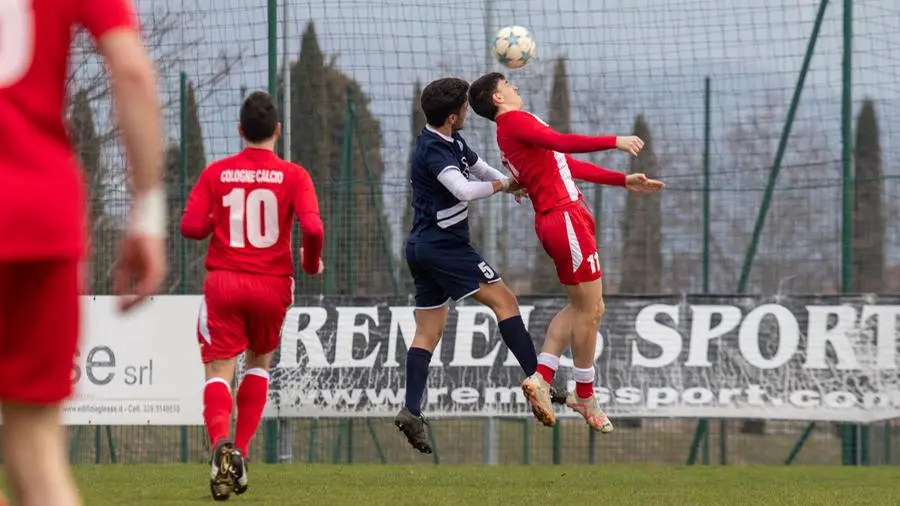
(584, 382)
(546, 373)
(251, 401)
(217, 404)
(584, 390)
(547, 366)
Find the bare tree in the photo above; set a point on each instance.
(164, 31)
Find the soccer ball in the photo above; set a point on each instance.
(513, 47)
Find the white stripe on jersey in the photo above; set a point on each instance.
(453, 220)
(450, 211)
(563, 167)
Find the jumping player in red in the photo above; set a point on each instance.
(247, 202)
(43, 221)
(537, 157)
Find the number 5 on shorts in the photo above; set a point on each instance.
(486, 270)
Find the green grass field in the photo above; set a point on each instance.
(359, 485)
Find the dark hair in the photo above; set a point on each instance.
(442, 98)
(481, 94)
(259, 117)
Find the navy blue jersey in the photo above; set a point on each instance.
(437, 214)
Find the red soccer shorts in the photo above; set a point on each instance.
(39, 329)
(567, 235)
(242, 311)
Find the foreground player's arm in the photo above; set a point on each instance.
(584, 171)
(525, 128)
(306, 204)
(197, 222)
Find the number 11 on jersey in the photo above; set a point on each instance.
(594, 261)
(259, 210)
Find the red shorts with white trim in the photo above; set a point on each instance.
(242, 311)
(40, 316)
(567, 235)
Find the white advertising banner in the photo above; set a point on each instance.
(795, 358)
(139, 368)
(791, 358)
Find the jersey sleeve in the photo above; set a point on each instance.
(585, 171)
(484, 172)
(470, 154)
(197, 221)
(102, 16)
(306, 205)
(527, 129)
(439, 159)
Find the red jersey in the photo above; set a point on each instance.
(42, 210)
(536, 155)
(248, 202)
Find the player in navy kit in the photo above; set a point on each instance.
(446, 174)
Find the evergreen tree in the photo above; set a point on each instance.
(103, 234)
(868, 214)
(357, 244)
(642, 226)
(186, 269)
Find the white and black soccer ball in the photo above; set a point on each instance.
(513, 47)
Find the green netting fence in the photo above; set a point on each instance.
(772, 124)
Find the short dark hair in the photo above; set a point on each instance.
(443, 97)
(259, 117)
(481, 94)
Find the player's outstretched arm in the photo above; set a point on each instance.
(528, 129)
(585, 171)
(197, 221)
(306, 204)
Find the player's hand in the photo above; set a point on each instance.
(520, 195)
(631, 144)
(514, 186)
(139, 270)
(640, 183)
(321, 263)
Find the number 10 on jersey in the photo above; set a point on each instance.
(258, 210)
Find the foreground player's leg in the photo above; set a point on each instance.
(39, 322)
(429, 328)
(251, 402)
(217, 407)
(36, 463)
(503, 302)
(586, 300)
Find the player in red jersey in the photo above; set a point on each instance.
(43, 220)
(537, 156)
(247, 202)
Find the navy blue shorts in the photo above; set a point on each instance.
(446, 270)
